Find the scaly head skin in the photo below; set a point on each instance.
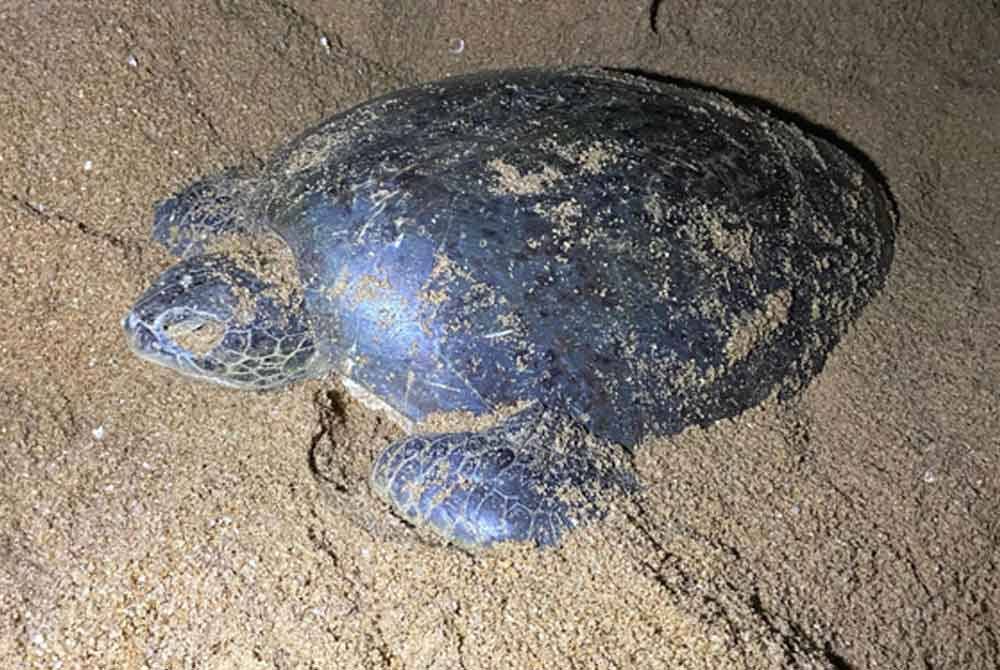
(208, 318)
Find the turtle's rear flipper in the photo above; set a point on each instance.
(530, 478)
(204, 211)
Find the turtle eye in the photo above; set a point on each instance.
(196, 333)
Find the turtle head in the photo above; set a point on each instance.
(208, 317)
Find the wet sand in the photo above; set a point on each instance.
(148, 521)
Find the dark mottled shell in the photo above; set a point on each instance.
(641, 255)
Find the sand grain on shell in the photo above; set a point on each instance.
(752, 329)
(510, 180)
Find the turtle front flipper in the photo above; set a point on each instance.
(206, 210)
(529, 478)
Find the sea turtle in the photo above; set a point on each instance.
(591, 256)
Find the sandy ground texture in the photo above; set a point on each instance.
(148, 521)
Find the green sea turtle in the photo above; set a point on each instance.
(604, 257)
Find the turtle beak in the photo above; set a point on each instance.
(150, 343)
(145, 342)
(141, 339)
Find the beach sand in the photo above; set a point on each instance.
(149, 521)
